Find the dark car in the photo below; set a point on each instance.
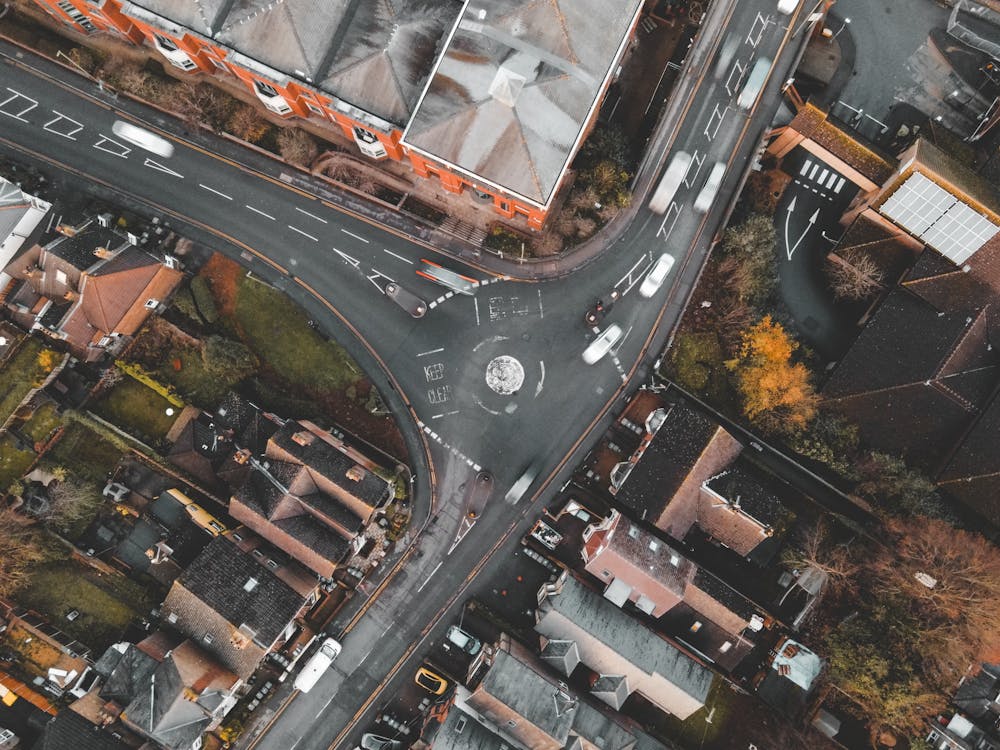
(378, 742)
(406, 299)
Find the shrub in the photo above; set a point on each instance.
(204, 300)
(228, 358)
(298, 147)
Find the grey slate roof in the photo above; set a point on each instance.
(217, 577)
(68, 730)
(374, 54)
(667, 460)
(13, 207)
(459, 731)
(601, 730)
(528, 694)
(78, 250)
(125, 674)
(733, 600)
(629, 638)
(739, 482)
(514, 88)
(977, 694)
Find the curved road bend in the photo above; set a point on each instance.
(548, 405)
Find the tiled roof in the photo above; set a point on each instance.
(740, 484)
(218, 577)
(812, 122)
(78, 250)
(726, 595)
(125, 673)
(667, 460)
(515, 86)
(976, 696)
(69, 730)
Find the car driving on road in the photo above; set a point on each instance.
(143, 138)
(602, 344)
(654, 279)
(378, 742)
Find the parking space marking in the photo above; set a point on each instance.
(717, 117)
(428, 579)
(805, 167)
(311, 216)
(15, 95)
(446, 414)
(60, 118)
(840, 184)
(672, 211)
(100, 146)
(374, 279)
(631, 277)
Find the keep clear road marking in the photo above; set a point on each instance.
(59, 118)
(160, 168)
(355, 236)
(311, 216)
(213, 190)
(399, 257)
(258, 211)
(125, 150)
(432, 351)
(304, 234)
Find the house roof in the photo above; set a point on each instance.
(628, 638)
(976, 696)
(527, 693)
(14, 206)
(219, 576)
(601, 730)
(973, 473)
(112, 290)
(459, 731)
(649, 558)
(178, 701)
(812, 122)
(724, 594)
(125, 669)
(743, 487)
(515, 86)
(667, 460)
(78, 249)
(374, 54)
(68, 729)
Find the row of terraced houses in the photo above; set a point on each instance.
(490, 96)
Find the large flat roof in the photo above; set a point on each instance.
(375, 54)
(515, 86)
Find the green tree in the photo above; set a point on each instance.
(831, 440)
(748, 259)
(897, 489)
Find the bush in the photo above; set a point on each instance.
(748, 261)
(297, 147)
(246, 123)
(204, 300)
(227, 358)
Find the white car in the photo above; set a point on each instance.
(466, 642)
(787, 6)
(143, 138)
(602, 344)
(654, 279)
(704, 200)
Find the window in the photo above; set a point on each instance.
(60, 276)
(511, 723)
(272, 564)
(265, 89)
(605, 574)
(460, 725)
(208, 638)
(504, 206)
(164, 43)
(314, 108)
(151, 304)
(633, 531)
(172, 618)
(726, 646)
(237, 537)
(675, 559)
(654, 545)
(696, 626)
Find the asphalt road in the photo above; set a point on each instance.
(438, 365)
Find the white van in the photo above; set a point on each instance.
(317, 665)
(672, 179)
(787, 6)
(755, 82)
(704, 200)
(602, 344)
(517, 490)
(143, 138)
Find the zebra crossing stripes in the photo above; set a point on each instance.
(819, 179)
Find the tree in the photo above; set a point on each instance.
(227, 358)
(897, 489)
(813, 548)
(247, 123)
(298, 147)
(609, 182)
(72, 503)
(19, 549)
(831, 440)
(776, 392)
(748, 260)
(854, 277)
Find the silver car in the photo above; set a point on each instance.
(468, 643)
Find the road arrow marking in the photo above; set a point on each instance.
(348, 259)
(812, 221)
(160, 168)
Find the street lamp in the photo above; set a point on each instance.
(844, 25)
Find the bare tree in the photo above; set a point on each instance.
(247, 123)
(72, 502)
(297, 147)
(19, 549)
(855, 276)
(814, 549)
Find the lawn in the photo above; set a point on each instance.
(107, 603)
(137, 409)
(42, 423)
(85, 453)
(25, 370)
(278, 333)
(14, 461)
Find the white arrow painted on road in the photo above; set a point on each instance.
(790, 248)
(347, 258)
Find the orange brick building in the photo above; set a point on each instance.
(494, 97)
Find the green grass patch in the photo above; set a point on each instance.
(278, 333)
(107, 603)
(137, 409)
(42, 423)
(23, 371)
(85, 453)
(14, 461)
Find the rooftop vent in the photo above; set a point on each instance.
(303, 437)
(250, 585)
(355, 473)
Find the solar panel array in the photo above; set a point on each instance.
(928, 211)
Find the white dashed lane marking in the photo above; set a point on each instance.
(213, 190)
(451, 449)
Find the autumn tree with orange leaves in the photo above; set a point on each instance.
(776, 392)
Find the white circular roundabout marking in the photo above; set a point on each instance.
(504, 375)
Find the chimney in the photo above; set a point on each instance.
(103, 253)
(304, 438)
(242, 456)
(66, 229)
(356, 473)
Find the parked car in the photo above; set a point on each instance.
(468, 643)
(433, 683)
(378, 742)
(654, 279)
(199, 516)
(317, 665)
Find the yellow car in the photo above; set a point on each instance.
(201, 517)
(432, 683)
